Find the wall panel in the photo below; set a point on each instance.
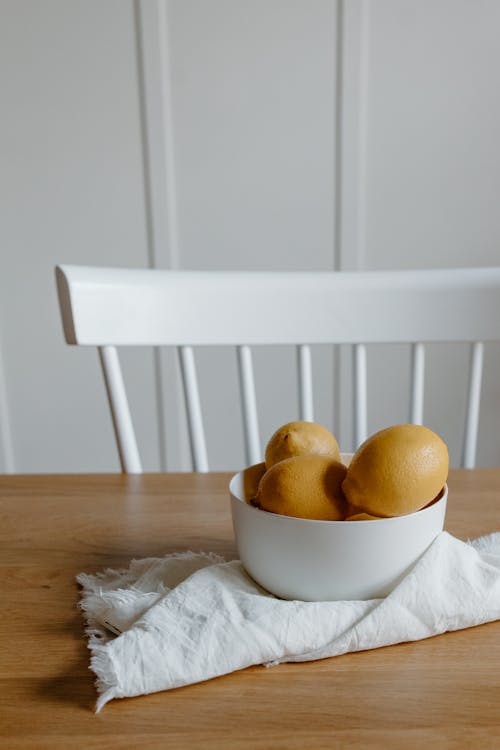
(72, 190)
(231, 134)
(249, 92)
(433, 166)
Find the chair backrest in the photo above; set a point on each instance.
(110, 307)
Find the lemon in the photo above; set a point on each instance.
(301, 438)
(397, 471)
(362, 517)
(251, 478)
(307, 486)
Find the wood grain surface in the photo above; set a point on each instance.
(444, 691)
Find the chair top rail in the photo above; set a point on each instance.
(123, 306)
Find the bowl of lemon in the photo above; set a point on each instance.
(314, 524)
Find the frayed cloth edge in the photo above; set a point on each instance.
(101, 662)
(106, 682)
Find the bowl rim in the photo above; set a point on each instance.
(438, 500)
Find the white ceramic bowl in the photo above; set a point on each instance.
(296, 558)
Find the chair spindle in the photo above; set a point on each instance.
(304, 367)
(473, 403)
(128, 452)
(193, 409)
(417, 383)
(360, 394)
(249, 405)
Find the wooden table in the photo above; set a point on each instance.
(444, 691)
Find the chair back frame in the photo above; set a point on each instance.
(110, 307)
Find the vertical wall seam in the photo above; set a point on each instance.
(350, 169)
(362, 133)
(337, 207)
(353, 128)
(157, 132)
(6, 441)
(168, 132)
(339, 53)
(150, 229)
(146, 164)
(158, 145)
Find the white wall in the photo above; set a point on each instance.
(235, 134)
(431, 174)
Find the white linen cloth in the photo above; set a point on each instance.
(189, 617)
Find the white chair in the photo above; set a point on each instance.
(111, 307)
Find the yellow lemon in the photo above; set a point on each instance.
(251, 478)
(301, 438)
(305, 486)
(362, 517)
(397, 471)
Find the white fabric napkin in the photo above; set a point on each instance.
(188, 617)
